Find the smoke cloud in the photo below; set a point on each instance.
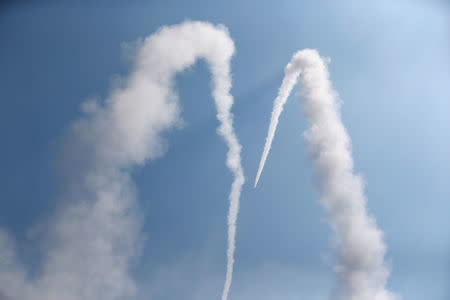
(91, 242)
(361, 271)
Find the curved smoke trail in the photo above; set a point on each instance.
(362, 274)
(95, 237)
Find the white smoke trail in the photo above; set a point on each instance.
(93, 239)
(289, 80)
(362, 274)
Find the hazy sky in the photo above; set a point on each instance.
(390, 63)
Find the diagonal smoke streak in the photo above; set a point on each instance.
(93, 240)
(361, 271)
(289, 80)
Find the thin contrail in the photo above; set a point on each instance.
(94, 238)
(289, 80)
(361, 271)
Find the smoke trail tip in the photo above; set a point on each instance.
(257, 179)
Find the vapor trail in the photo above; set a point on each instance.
(361, 271)
(289, 80)
(93, 239)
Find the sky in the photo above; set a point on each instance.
(390, 64)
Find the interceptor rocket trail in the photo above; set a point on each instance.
(360, 249)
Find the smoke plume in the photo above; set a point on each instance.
(92, 240)
(361, 271)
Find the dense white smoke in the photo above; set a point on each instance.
(91, 242)
(361, 271)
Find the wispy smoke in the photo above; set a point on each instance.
(361, 271)
(93, 239)
(289, 80)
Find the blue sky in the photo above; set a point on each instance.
(390, 64)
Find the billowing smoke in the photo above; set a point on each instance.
(90, 244)
(361, 271)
